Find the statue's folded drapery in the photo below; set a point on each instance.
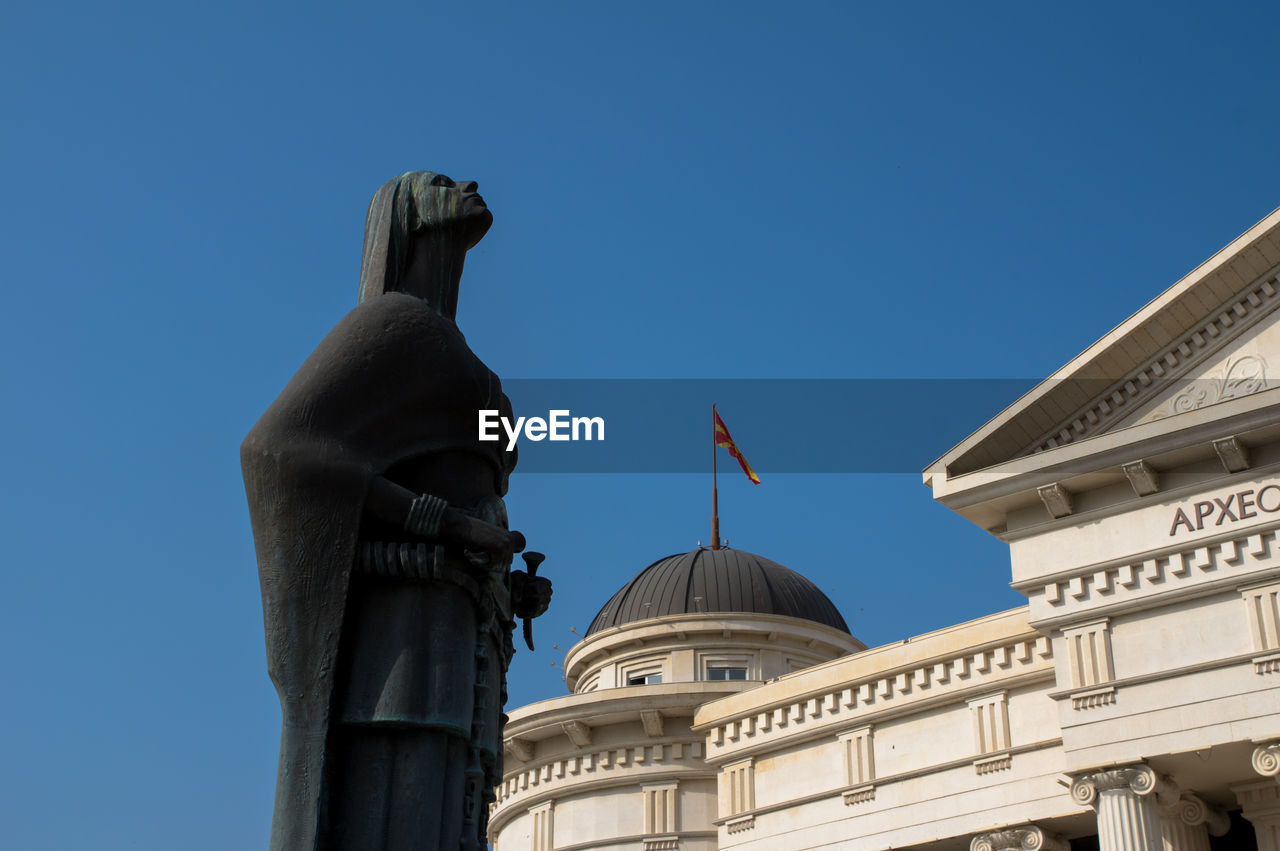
(392, 384)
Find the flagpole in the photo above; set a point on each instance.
(715, 495)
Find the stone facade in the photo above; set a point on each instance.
(1135, 698)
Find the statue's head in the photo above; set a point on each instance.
(417, 233)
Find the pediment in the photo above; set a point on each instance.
(1246, 365)
(1212, 336)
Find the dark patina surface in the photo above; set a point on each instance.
(384, 554)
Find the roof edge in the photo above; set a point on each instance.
(1187, 282)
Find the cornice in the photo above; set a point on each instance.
(1227, 322)
(887, 660)
(958, 678)
(1176, 484)
(1168, 321)
(1034, 583)
(1153, 578)
(597, 768)
(1181, 448)
(1113, 450)
(538, 721)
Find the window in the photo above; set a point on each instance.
(643, 671)
(725, 665)
(717, 672)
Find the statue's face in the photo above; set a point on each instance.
(445, 203)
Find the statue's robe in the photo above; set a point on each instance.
(392, 382)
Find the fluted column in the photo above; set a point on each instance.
(1125, 800)
(1187, 824)
(1029, 837)
(1183, 837)
(1260, 805)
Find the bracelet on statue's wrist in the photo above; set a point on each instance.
(425, 515)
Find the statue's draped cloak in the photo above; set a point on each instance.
(393, 381)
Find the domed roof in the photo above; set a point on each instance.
(709, 581)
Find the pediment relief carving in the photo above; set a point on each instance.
(1236, 377)
(1225, 357)
(1244, 364)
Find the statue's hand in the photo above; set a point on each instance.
(530, 597)
(474, 534)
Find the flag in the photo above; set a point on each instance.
(722, 438)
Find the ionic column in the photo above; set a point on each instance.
(1187, 824)
(1125, 800)
(1029, 837)
(1260, 802)
(1266, 760)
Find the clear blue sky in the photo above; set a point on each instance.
(693, 190)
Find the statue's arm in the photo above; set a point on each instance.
(390, 502)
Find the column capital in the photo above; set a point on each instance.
(1266, 759)
(1138, 779)
(1259, 801)
(1191, 810)
(1260, 805)
(1028, 837)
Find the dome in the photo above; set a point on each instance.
(708, 581)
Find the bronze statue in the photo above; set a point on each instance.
(384, 554)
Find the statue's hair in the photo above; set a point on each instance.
(400, 208)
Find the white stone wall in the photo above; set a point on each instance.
(1136, 697)
(898, 745)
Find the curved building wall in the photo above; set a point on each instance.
(618, 768)
(686, 648)
(615, 764)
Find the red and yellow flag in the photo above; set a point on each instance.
(722, 438)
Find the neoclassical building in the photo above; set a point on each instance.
(718, 700)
